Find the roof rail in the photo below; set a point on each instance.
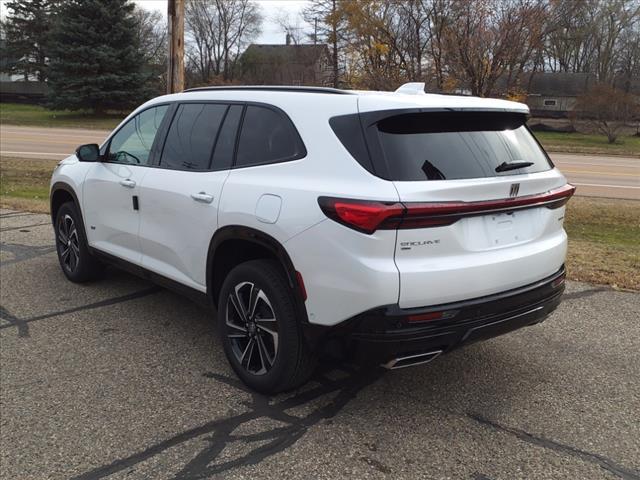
(273, 88)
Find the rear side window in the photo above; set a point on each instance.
(457, 145)
(192, 136)
(267, 136)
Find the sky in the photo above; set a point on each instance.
(271, 33)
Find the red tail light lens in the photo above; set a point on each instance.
(364, 216)
(369, 216)
(425, 317)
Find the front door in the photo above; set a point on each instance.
(112, 187)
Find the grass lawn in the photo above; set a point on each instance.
(604, 241)
(604, 234)
(24, 183)
(37, 116)
(584, 143)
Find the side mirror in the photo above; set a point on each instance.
(88, 153)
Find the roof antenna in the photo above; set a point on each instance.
(412, 88)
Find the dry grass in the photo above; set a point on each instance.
(628, 145)
(604, 234)
(24, 183)
(604, 241)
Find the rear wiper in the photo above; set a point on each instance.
(504, 166)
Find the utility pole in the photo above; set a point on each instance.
(315, 30)
(175, 65)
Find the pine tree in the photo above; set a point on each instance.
(96, 62)
(26, 31)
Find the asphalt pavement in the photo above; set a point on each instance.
(122, 379)
(595, 175)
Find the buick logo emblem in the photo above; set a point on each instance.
(515, 188)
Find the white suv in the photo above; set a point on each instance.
(392, 225)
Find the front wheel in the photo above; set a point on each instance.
(259, 330)
(75, 258)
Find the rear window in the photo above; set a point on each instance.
(457, 145)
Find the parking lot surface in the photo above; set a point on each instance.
(121, 379)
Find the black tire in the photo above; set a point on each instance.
(76, 261)
(262, 367)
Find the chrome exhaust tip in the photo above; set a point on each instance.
(411, 360)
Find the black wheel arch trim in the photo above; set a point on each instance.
(239, 232)
(56, 187)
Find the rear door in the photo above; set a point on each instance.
(179, 198)
(470, 182)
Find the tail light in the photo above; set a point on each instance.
(364, 216)
(367, 216)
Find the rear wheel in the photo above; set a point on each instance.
(259, 330)
(75, 259)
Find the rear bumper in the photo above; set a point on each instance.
(386, 333)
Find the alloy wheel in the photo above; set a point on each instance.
(68, 243)
(252, 328)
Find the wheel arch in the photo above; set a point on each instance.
(62, 193)
(234, 244)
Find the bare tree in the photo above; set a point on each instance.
(151, 31)
(487, 39)
(628, 66)
(291, 26)
(217, 31)
(329, 16)
(607, 109)
(152, 35)
(590, 36)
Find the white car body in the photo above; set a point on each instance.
(345, 272)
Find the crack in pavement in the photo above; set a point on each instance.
(23, 327)
(219, 433)
(22, 253)
(584, 293)
(8, 229)
(603, 462)
(17, 214)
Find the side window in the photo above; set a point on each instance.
(132, 144)
(192, 135)
(267, 136)
(223, 155)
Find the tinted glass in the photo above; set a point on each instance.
(192, 135)
(267, 136)
(429, 146)
(223, 154)
(132, 144)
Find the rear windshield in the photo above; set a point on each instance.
(448, 146)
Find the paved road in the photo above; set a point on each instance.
(41, 142)
(615, 177)
(599, 176)
(121, 379)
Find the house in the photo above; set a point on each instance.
(555, 94)
(285, 65)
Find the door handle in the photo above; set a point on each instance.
(202, 197)
(128, 183)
